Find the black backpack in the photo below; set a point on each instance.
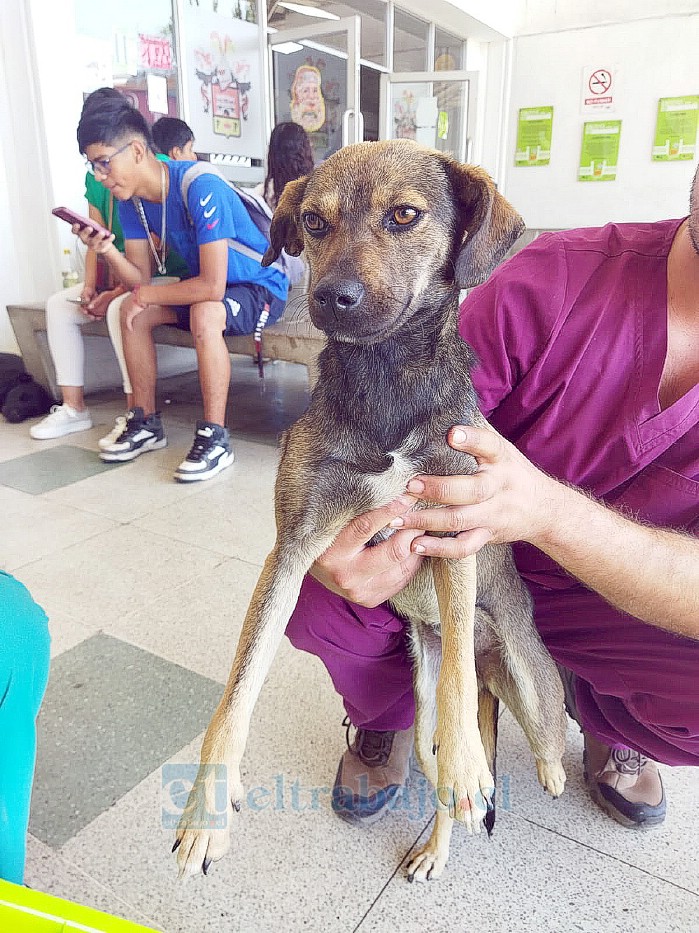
(20, 396)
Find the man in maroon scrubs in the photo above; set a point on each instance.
(588, 349)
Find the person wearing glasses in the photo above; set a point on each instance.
(98, 297)
(226, 286)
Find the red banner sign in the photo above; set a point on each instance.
(154, 53)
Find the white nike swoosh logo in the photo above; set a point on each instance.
(204, 201)
(208, 214)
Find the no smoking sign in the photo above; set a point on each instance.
(598, 89)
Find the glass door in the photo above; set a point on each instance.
(435, 108)
(316, 82)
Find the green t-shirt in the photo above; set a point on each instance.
(98, 196)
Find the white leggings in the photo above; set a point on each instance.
(64, 320)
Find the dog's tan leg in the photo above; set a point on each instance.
(524, 676)
(545, 731)
(465, 784)
(428, 863)
(197, 842)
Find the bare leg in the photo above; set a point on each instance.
(207, 322)
(139, 350)
(73, 396)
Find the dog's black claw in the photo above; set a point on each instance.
(205, 866)
(434, 749)
(176, 844)
(429, 875)
(411, 878)
(236, 806)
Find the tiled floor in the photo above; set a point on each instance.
(146, 583)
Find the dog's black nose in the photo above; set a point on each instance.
(344, 295)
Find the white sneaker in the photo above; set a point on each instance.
(62, 420)
(104, 442)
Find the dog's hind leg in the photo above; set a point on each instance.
(524, 676)
(428, 863)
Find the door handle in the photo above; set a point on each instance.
(345, 125)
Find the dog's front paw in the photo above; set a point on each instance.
(465, 785)
(551, 775)
(204, 830)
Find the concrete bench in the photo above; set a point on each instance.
(293, 339)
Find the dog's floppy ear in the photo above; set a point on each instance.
(491, 223)
(285, 231)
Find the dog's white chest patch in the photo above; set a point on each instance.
(392, 482)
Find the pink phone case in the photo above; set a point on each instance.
(71, 217)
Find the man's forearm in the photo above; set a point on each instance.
(650, 573)
(90, 269)
(187, 292)
(125, 271)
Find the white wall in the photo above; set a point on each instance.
(39, 163)
(656, 58)
(537, 16)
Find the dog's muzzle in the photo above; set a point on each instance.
(338, 297)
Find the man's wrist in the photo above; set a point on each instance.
(552, 502)
(137, 296)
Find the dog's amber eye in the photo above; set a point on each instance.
(404, 215)
(401, 218)
(314, 223)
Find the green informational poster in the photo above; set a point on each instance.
(600, 151)
(534, 136)
(676, 129)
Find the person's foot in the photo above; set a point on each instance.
(61, 420)
(104, 443)
(624, 783)
(371, 775)
(211, 452)
(139, 435)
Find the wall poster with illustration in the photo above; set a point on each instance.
(224, 78)
(311, 90)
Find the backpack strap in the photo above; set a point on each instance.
(202, 168)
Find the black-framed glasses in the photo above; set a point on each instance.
(104, 166)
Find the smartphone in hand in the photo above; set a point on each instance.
(72, 217)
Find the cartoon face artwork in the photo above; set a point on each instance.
(307, 102)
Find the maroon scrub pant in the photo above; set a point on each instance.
(636, 685)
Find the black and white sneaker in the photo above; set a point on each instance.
(211, 452)
(139, 435)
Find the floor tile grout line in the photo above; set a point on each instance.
(616, 858)
(44, 557)
(393, 874)
(100, 884)
(200, 547)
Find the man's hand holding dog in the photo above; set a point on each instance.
(507, 499)
(365, 575)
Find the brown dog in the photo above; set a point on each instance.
(390, 231)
